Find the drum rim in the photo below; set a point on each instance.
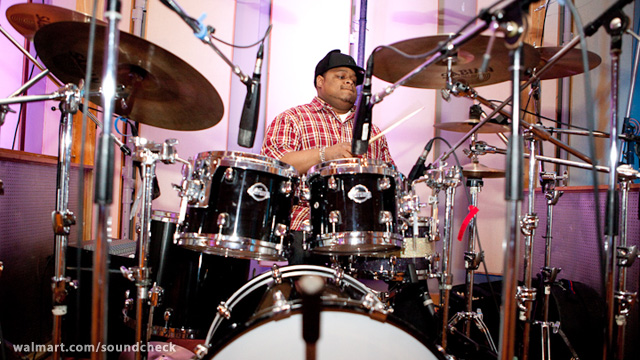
(388, 241)
(245, 248)
(243, 160)
(164, 216)
(353, 166)
(263, 319)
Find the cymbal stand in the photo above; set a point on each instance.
(549, 181)
(147, 153)
(451, 181)
(62, 218)
(528, 224)
(626, 256)
(472, 262)
(103, 197)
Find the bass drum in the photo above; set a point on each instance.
(263, 320)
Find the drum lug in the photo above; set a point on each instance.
(222, 222)
(229, 175)
(281, 232)
(332, 183)
(305, 192)
(384, 183)
(275, 274)
(155, 295)
(223, 310)
(168, 312)
(335, 218)
(386, 218)
(280, 303)
(338, 276)
(286, 187)
(201, 350)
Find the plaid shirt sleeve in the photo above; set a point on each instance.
(282, 136)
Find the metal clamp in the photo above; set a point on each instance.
(528, 224)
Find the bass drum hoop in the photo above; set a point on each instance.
(368, 305)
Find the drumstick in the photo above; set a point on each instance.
(394, 125)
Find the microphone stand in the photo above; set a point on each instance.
(617, 23)
(104, 187)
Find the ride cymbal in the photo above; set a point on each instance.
(28, 18)
(154, 86)
(568, 65)
(466, 125)
(478, 171)
(391, 66)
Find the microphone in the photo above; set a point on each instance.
(423, 290)
(193, 23)
(418, 169)
(311, 287)
(251, 108)
(362, 118)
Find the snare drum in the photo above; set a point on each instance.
(419, 251)
(354, 207)
(263, 320)
(241, 207)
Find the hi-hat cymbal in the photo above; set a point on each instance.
(155, 87)
(479, 171)
(28, 18)
(568, 65)
(391, 66)
(466, 125)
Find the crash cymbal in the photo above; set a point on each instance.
(479, 171)
(155, 87)
(568, 65)
(391, 66)
(466, 125)
(28, 18)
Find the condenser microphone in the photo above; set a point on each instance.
(418, 169)
(251, 108)
(362, 118)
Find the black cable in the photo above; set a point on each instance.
(22, 108)
(484, 264)
(244, 46)
(591, 127)
(81, 195)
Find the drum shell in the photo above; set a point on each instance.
(253, 224)
(192, 282)
(332, 187)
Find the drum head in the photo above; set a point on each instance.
(343, 335)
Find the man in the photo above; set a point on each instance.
(322, 130)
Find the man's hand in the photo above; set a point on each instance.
(338, 151)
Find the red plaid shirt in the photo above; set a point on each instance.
(312, 126)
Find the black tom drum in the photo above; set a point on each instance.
(241, 206)
(354, 208)
(192, 283)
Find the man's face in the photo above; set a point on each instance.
(338, 87)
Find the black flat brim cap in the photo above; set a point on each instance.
(336, 59)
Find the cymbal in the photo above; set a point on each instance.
(28, 18)
(466, 125)
(391, 66)
(568, 65)
(154, 86)
(478, 171)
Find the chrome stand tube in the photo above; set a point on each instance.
(62, 217)
(452, 180)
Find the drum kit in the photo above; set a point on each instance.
(364, 214)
